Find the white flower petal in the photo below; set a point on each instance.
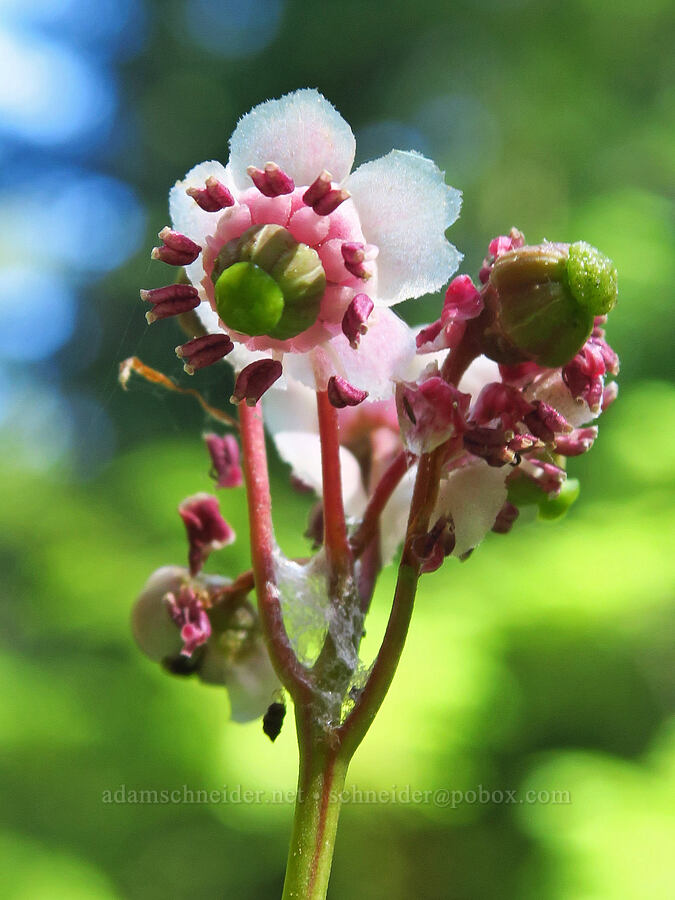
(482, 371)
(302, 451)
(187, 217)
(301, 132)
(292, 409)
(473, 495)
(553, 390)
(251, 682)
(385, 352)
(394, 519)
(405, 206)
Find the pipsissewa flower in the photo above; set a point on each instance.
(294, 256)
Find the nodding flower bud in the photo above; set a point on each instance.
(543, 300)
(267, 283)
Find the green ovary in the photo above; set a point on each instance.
(266, 283)
(592, 278)
(248, 299)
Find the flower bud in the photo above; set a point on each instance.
(543, 301)
(268, 283)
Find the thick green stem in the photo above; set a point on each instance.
(317, 808)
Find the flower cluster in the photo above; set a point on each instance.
(288, 264)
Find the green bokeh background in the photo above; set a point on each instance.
(543, 663)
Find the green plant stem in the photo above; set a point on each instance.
(321, 779)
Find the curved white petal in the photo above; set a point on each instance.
(251, 682)
(482, 371)
(302, 451)
(385, 352)
(553, 390)
(187, 217)
(473, 495)
(405, 206)
(292, 409)
(301, 132)
(394, 517)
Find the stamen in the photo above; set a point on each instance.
(322, 196)
(255, 379)
(204, 351)
(214, 197)
(354, 255)
(177, 250)
(206, 529)
(355, 318)
(271, 181)
(341, 393)
(171, 300)
(224, 453)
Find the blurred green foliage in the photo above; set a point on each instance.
(544, 662)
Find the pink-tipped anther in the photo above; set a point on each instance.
(355, 255)
(177, 249)
(206, 529)
(255, 379)
(224, 453)
(432, 548)
(322, 196)
(576, 442)
(188, 613)
(341, 393)
(204, 351)
(212, 198)
(271, 181)
(546, 422)
(355, 319)
(171, 300)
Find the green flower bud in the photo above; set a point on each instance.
(543, 301)
(267, 283)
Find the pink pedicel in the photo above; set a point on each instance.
(212, 198)
(204, 351)
(224, 453)
(355, 319)
(255, 379)
(271, 181)
(206, 529)
(188, 613)
(430, 412)
(171, 300)
(341, 393)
